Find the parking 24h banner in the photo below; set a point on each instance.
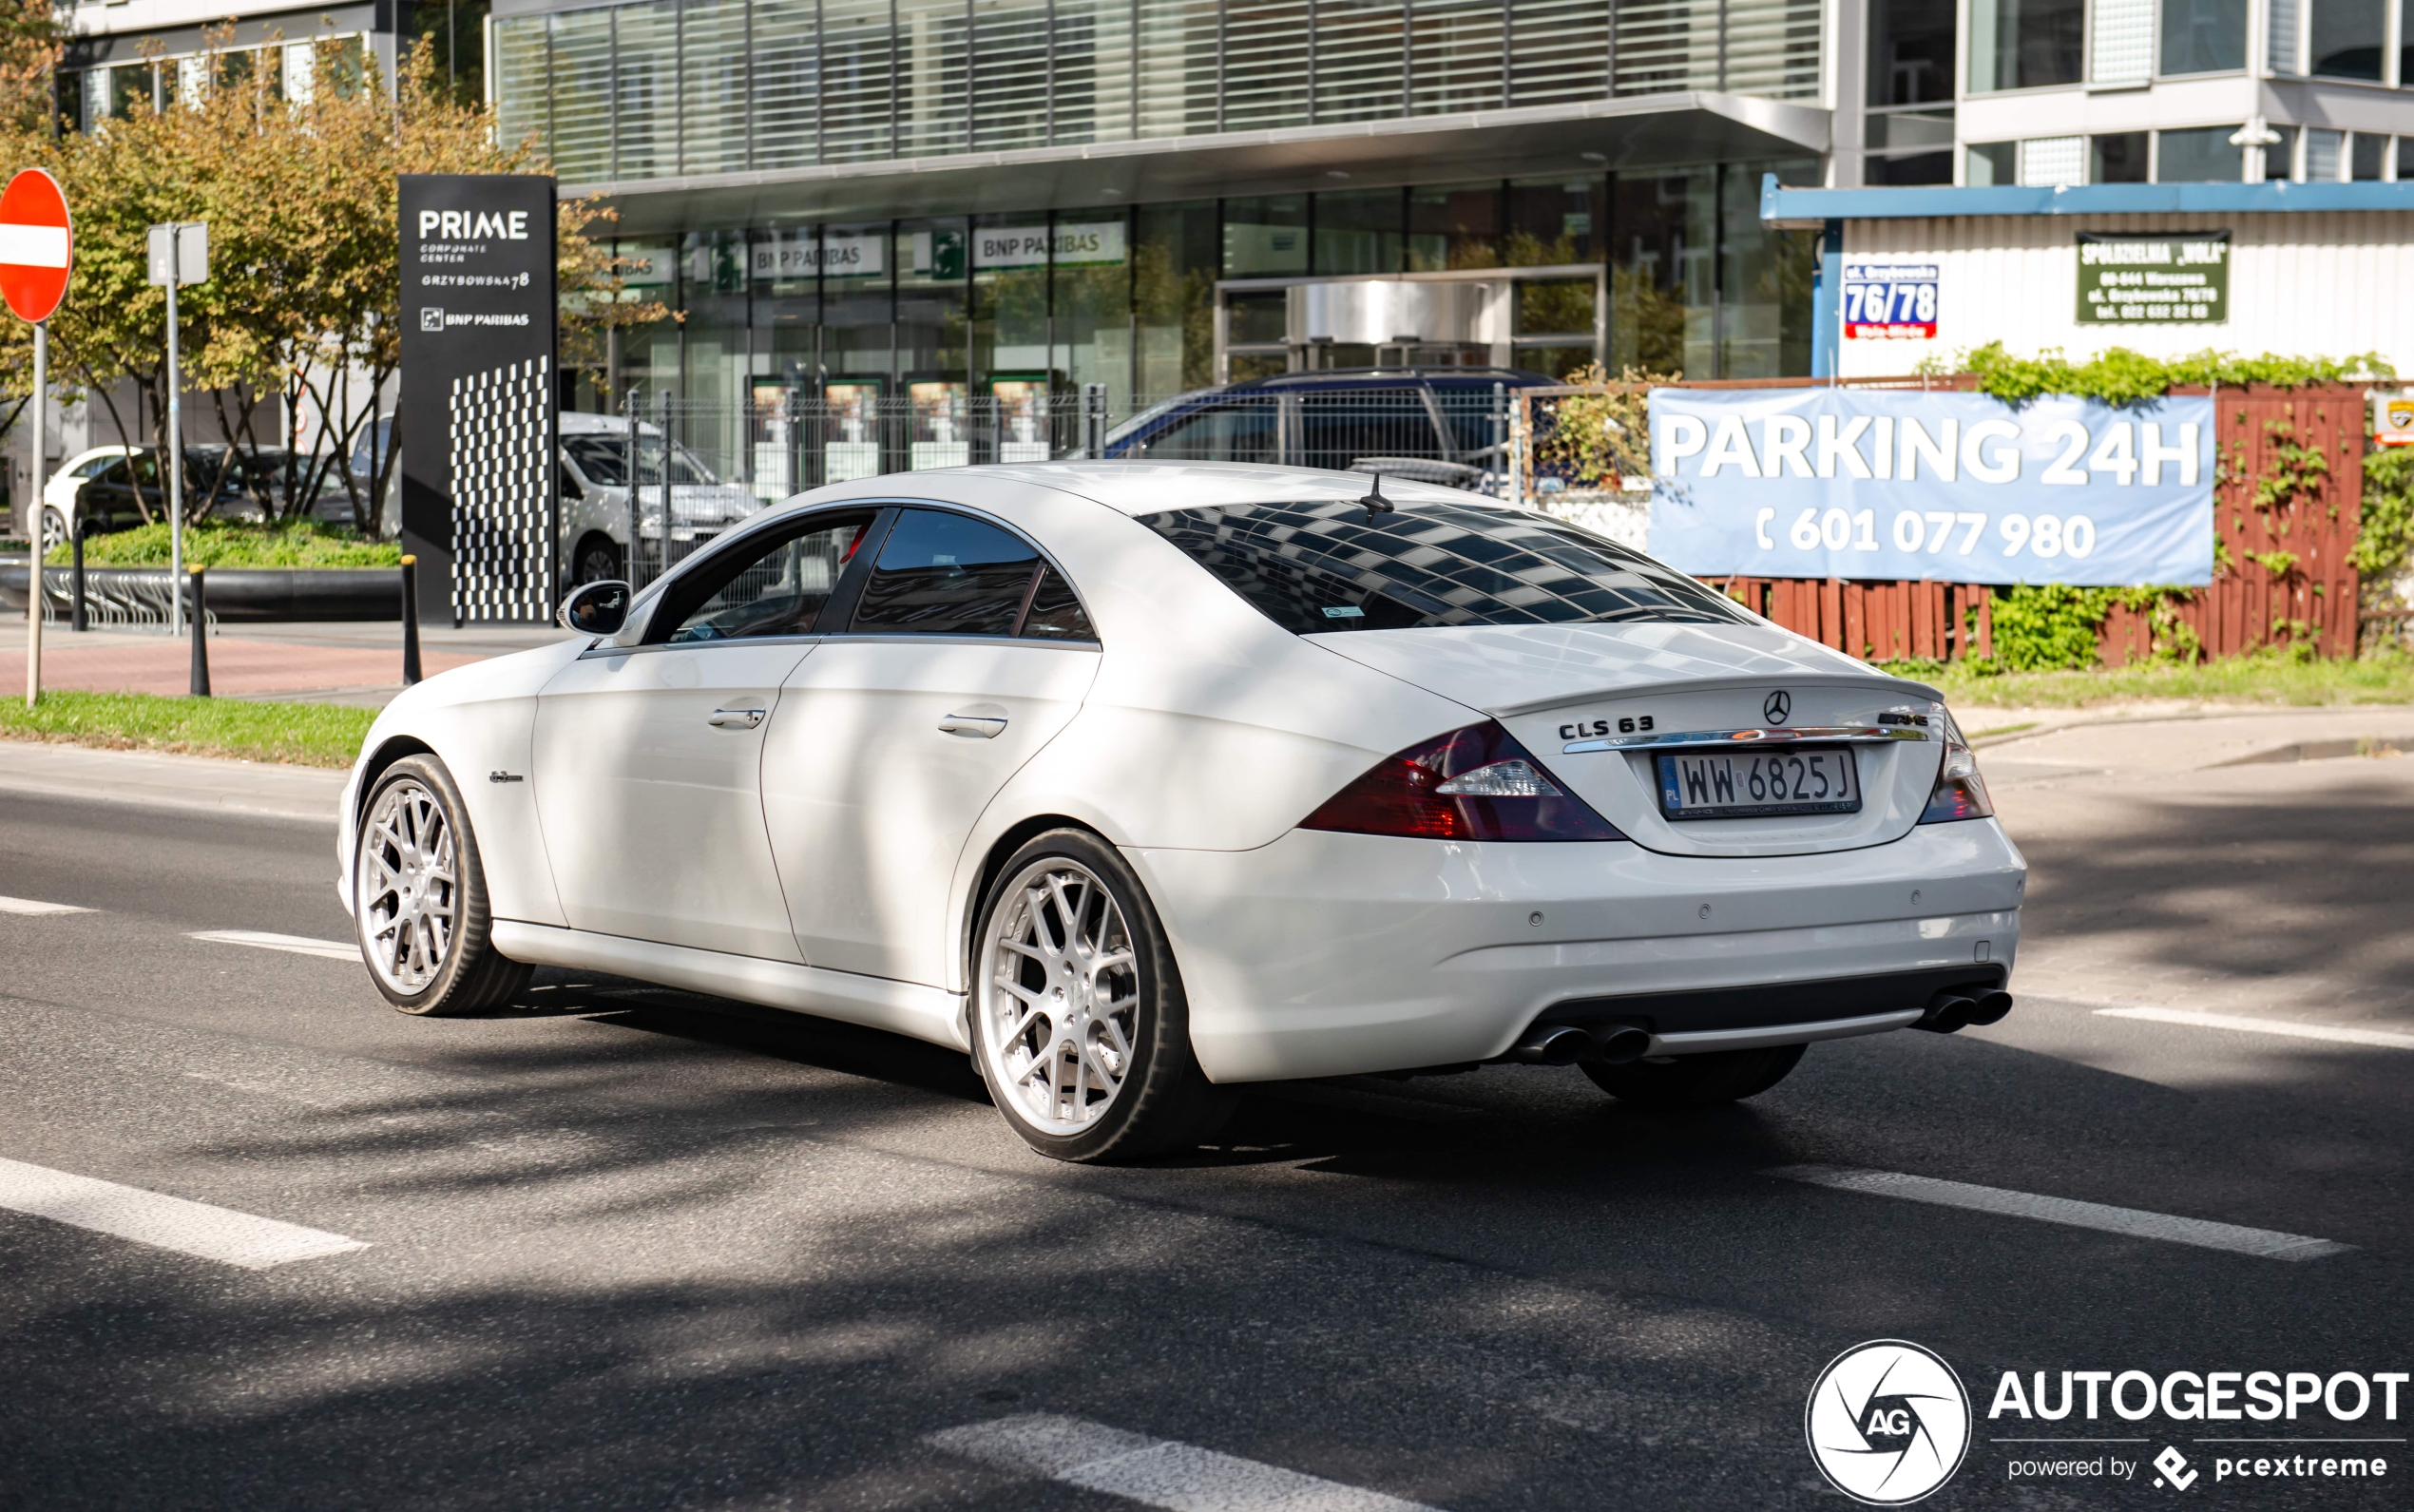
(477, 417)
(1958, 487)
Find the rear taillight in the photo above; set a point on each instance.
(1959, 793)
(1472, 784)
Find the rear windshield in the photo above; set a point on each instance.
(1330, 565)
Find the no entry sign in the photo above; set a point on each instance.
(37, 241)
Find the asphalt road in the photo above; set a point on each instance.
(630, 1247)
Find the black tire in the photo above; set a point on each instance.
(1695, 1081)
(597, 560)
(53, 528)
(469, 975)
(1164, 1101)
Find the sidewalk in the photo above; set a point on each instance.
(355, 663)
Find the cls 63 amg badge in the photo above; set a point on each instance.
(1889, 1422)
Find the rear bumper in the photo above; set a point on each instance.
(1328, 954)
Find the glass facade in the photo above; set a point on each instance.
(1019, 313)
(663, 88)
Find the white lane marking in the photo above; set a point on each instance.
(2136, 1223)
(162, 1221)
(297, 943)
(38, 905)
(1155, 1472)
(2335, 1033)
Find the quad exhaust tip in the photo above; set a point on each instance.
(1566, 1044)
(1951, 1010)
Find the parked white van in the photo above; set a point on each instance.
(595, 503)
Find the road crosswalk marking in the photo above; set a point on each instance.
(1154, 1472)
(2295, 1029)
(2135, 1222)
(294, 944)
(38, 905)
(162, 1221)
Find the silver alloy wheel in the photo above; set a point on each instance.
(407, 885)
(54, 530)
(1059, 996)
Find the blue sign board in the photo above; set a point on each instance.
(1958, 487)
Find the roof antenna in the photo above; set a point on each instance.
(1374, 502)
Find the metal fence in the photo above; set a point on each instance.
(728, 460)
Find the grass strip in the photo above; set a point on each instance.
(310, 734)
(2274, 679)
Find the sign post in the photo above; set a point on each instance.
(179, 255)
(37, 250)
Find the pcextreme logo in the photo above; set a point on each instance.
(1888, 1423)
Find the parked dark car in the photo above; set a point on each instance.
(1438, 425)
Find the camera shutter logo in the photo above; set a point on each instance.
(1778, 708)
(1888, 1423)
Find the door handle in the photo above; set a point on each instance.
(735, 718)
(972, 726)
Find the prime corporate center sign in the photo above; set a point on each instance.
(476, 418)
(1958, 487)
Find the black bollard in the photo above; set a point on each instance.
(75, 614)
(411, 673)
(200, 638)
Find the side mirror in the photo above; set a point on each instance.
(598, 608)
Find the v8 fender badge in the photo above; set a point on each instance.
(1779, 707)
(1888, 1422)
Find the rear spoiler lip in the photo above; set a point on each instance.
(1875, 682)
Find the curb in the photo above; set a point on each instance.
(256, 595)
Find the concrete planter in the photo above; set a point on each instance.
(257, 595)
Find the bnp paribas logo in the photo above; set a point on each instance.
(1888, 1423)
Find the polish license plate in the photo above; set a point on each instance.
(1759, 784)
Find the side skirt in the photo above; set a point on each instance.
(878, 1003)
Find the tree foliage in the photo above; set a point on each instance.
(2120, 375)
(302, 314)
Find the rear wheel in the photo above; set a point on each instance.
(1695, 1081)
(597, 560)
(419, 897)
(1080, 1025)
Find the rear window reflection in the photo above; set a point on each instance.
(1328, 565)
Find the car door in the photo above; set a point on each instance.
(966, 652)
(648, 759)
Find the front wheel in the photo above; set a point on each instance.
(54, 530)
(1695, 1081)
(1080, 1025)
(419, 897)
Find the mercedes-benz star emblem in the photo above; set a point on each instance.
(1778, 709)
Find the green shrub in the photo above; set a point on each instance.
(2048, 626)
(289, 543)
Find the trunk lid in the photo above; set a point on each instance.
(1618, 693)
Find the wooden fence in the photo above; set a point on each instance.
(2287, 496)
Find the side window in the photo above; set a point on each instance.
(777, 588)
(1233, 432)
(1338, 428)
(945, 574)
(1055, 613)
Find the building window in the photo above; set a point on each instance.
(2346, 38)
(2026, 44)
(2203, 155)
(2052, 162)
(2371, 150)
(2121, 42)
(1990, 164)
(2119, 158)
(2204, 36)
(2323, 150)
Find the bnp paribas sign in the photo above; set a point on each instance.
(2172, 277)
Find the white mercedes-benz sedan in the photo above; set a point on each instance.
(1140, 782)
